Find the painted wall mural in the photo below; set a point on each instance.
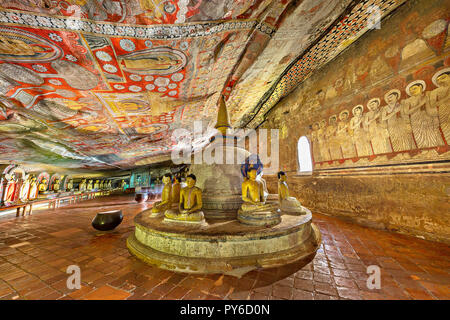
(102, 84)
(390, 104)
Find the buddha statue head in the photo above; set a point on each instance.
(167, 178)
(282, 176)
(191, 180)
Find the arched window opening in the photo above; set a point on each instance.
(304, 155)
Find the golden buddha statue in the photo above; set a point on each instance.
(89, 185)
(254, 210)
(56, 185)
(33, 189)
(287, 204)
(123, 185)
(43, 186)
(82, 187)
(160, 207)
(190, 204)
(70, 185)
(101, 186)
(97, 185)
(109, 185)
(176, 189)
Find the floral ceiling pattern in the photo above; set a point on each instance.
(102, 84)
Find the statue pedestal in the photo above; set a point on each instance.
(224, 247)
(263, 218)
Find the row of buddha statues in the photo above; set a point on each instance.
(185, 204)
(17, 190)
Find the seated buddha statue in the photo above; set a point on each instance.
(56, 185)
(82, 187)
(70, 185)
(123, 185)
(32, 195)
(43, 186)
(190, 204)
(101, 186)
(109, 185)
(287, 204)
(160, 207)
(176, 189)
(97, 185)
(89, 186)
(254, 210)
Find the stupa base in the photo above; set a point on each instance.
(224, 247)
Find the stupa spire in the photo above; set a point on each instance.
(222, 123)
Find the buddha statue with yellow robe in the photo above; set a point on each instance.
(56, 185)
(97, 185)
(288, 204)
(254, 210)
(190, 204)
(160, 207)
(82, 187)
(89, 185)
(176, 189)
(25, 189)
(32, 195)
(43, 186)
(70, 185)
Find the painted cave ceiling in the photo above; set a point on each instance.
(102, 84)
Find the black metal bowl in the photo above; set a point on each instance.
(108, 220)
(141, 197)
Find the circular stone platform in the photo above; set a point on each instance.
(225, 247)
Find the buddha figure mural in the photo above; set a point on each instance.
(315, 142)
(347, 146)
(82, 187)
(33, 189)
(322, 141)
(160, 207)
(190, 204)
(333, 142)
(289, 205)
(254, 210)
(359, 134)
(440, 100)
(397, 122)
(377, 133)
(25, 189)
(423, 116)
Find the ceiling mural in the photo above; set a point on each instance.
(102, 84)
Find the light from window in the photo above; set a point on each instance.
(304, 155)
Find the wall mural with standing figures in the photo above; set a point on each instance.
(387, 102)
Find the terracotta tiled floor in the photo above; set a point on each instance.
(35, 252)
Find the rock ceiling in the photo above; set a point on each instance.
(102, 84)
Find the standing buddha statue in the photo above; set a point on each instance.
(33, 189)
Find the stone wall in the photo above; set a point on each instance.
(389, 167)
(411, 204)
